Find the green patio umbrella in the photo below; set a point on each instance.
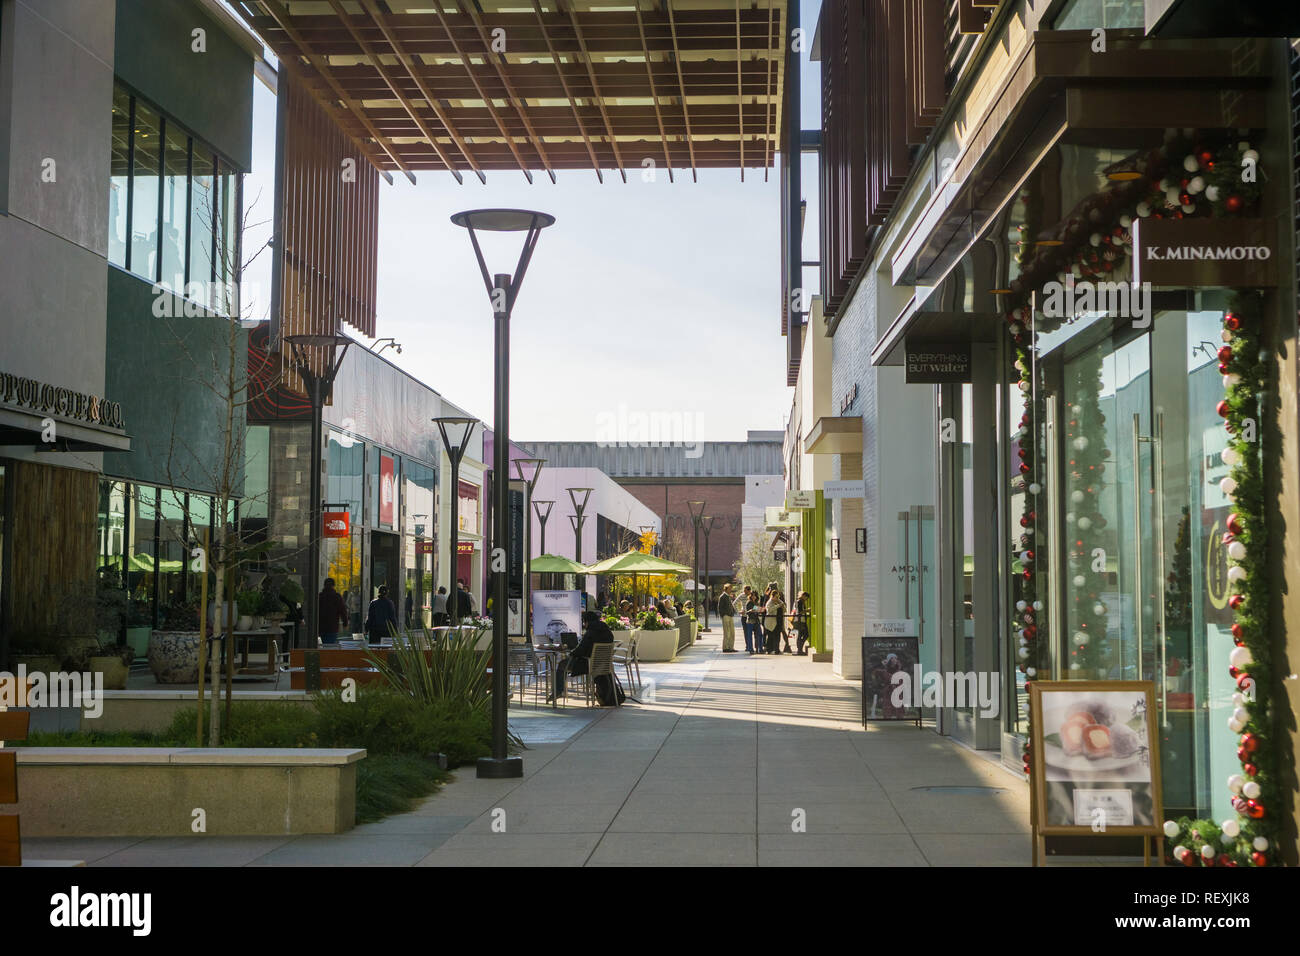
(636, 563)
(554, 564)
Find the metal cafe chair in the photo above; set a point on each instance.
(625, 654)
(601, 664)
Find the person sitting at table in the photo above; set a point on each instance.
(380, 616)
(594, 631)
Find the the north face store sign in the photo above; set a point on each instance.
(1200, 253)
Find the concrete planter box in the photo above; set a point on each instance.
(154, 791)
(656, 646)
(114, 671)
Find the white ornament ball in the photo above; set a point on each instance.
(1226, 336)
(1171, 195)
(1196, 185)
(1237, 551)
(1076, 497)
(1241, 716)
(1024, 653)
(1230, 456)
(1180, 852)
(1081, 443)
(1235, 725)
(1085, 523)
(1230, 828)
(1143, 210)
(1076, 666)
(1035, 488)
(1236, 573)
(1038, 605)
(1125, 221)
(1030, 671)
(1251, 790)
(1095, 239)
(1099, 609)
(1238, 699)
(1080, 580)
(1240, 657)
(1235, 783)
(1171, 829)
(1025, 558)
(1190, 163)
(1080, 638)
(1207, 852)
(1069, 517)
(1212, 193)
(1251, 155)
(1188, 207)
(1021, 605)
(1228, 485)
(1231, 379)
(1260, 844)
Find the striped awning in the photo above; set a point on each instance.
(544, 85)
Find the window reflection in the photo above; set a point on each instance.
(119, 177)
(144, 202)
(174, 206)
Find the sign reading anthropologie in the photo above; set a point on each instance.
(50, 399)
(1199, 253)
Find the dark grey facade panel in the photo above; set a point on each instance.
(714, 459)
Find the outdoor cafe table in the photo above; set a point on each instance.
(556, 655)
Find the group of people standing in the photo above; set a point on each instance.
(764, 620)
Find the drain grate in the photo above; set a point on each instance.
(975, 791)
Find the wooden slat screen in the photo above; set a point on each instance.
(329, 223)
(55, 516)
(883, 89)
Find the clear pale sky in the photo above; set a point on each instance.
(663, 297)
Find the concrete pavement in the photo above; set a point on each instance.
(730, 760)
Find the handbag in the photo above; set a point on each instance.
(770, 622)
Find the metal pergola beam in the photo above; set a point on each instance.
(404, 58)
(654, 94)
(568, 93)
(281, 17)
(681, 84)
(595, 88)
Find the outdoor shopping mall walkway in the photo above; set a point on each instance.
(731, 755)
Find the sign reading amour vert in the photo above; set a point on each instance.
(1199, 253)
(929, 363)
(49, 399)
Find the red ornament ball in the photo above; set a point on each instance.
(1234, 524)
(1235, 601)
(1233, 204)
(1250, 769)
(1254, 810)
(1223, 408)
(1249, 743)
(1237, 632)
(1259, 859)
(1225, 353)
(1232, 321)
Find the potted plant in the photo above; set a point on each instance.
(114, 662)
(174, 649)
(250, 604)
(38, 652)
(657, 638)
(139, 625)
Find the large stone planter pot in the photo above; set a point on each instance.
(174, 656)
(114, 671)
(656, 646)
(623, 636)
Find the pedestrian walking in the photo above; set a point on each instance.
(727, 611)
(381, 617)
(465, 606)
(801, 623)
(332, 613)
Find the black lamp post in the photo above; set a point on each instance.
(528, 470)
(576, 519)
(503, 291)
(328, 352)
(456, 431)
(697, 509)
(542, 514)
(706, 525)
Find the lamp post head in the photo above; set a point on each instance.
(502, 289)
(574, 494)
(456, 431)
(528, 470)
(697, 509)
(543, 513)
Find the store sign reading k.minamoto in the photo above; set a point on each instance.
(1199, 253)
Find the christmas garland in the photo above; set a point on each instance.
(1095, 242)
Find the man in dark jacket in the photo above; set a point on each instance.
(464, 601)
(594, 631)
(381, 613)
(727, 610)
(332, 613)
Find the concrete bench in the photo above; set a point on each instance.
(156, 791)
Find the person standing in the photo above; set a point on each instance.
(332, 613)
(727, 611)
(381, 617)
(774, 622)
(439, 610)
(464, 601)
(801, 623)
(747, 616)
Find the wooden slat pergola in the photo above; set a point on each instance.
(482, 85)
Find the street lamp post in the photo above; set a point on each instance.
(528, 470)
(542, 515)
(697, 509)
(576, 520)
(503, 291)
(456, 432)
(706, 525)
(319, 379)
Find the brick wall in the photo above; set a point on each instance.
(723, 501)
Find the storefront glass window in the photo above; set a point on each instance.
(419, 540)
(140, 573)
(175, 214)
(469, 507)
(200, 511)
(119, 177)
(1109, 14)
(172, 548)
(146, 165)
(344, 485)
(203, 205)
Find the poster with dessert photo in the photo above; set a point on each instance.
(1096, 764)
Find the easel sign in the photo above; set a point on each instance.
(891, 669)
(1095, 762)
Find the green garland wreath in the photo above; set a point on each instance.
(1095, 242)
